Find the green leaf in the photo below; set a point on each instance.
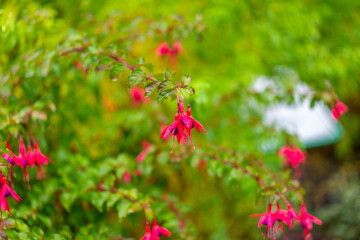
(165, 94)
(116, 70)
(164, 84)
(136, 77)
(185, 79)
(189, 90)
(122, 208)
(149, 88)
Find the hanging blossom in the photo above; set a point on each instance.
(147, 235)
(158, 231)
(281, 216)
(306, 221)
(137, 96)
(142, 155)
(339, 109)
(5, 192)
(293, 156)
(183, 121)
(164, 49)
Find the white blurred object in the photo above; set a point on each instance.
(313, 126)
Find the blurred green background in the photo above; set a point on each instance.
(93, 133)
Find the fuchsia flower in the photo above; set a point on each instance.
(291, 215)
(280, 214)
(158, 231)
(39, 157)
(137, 95)
(6, 190)
(163, 49)
(176, 129)
(306, 220)
(339, 109)
(188, 121)
(293, 155)
(30, 158)
(177, 47)
(8, 157)
(147, 235)
(268, 219)
(142, 155)
(21, 159)
(127, 177)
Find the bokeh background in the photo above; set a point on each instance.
(93, 133)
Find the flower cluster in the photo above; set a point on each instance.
(289, 217)
(338, 110)
(164, 49)
(27, 157)
(156, 232)
(183, 121)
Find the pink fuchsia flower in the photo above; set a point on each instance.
(158, 231)
(293, 156)
(30, 158)
(137, 95)
(39, 157)
(177, 47)
(176, 129)
(142, 155)
(8, 157)
(306, 220)
(291, 215)
(147, 235)
(280, 214)
(127, 177)
(163, 49)
(268, 219)
(22, 154)
(339, 109)
(6, 190)
(188, 121)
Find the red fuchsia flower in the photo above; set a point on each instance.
(40, 160)
(163, 49)
(188, 121)
(127, 177)
(8, 157)
(142, 155)
(6, 190)
(293, 155)
(280, 214)
(30, 158)
(22, 154)
(158, 231)
(339, 109)
(147, 235)
(176, 129)
(177, 47)
(306, 220)
(291, 215)
(137, 95)
(268, 219)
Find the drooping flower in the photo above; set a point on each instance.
(188, 121)
(280, 214)
(147, 235)
(306, 220)
(30, 158)
(268, 219)
(293, 156)
(176, 129)
(163, 49)
(22, 154)
(177, 47)
(127, 177)
(339, 109)
(137, 95)
(39, 157)
(8, 157)
(158, 231)
(6, 190)
(291, 215)
(142, 155)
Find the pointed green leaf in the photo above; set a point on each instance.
(165, 94)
